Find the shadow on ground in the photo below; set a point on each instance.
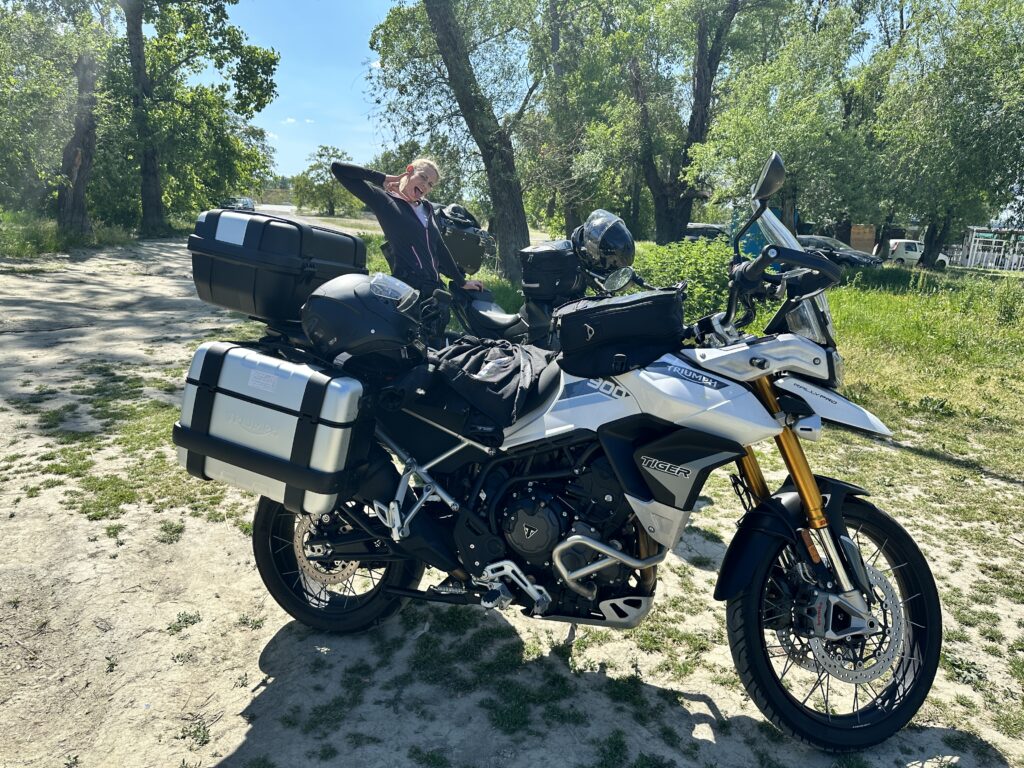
(460, 687)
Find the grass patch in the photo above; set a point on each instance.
(183, 620)
(104, 497)
(434, 758)
(170, 531)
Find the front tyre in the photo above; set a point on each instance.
(851, 694)
(338, 596)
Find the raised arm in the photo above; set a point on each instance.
(364, 183)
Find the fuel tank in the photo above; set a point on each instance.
(670, 388)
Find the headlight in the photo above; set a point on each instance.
(812, 319)
(803, 321)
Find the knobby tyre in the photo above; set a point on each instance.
(340, 596)
(847, 695)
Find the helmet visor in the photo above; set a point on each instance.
(393, 290)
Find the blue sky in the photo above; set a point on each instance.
(321, 79)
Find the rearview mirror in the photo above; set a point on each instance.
(772, 176)
(618, 279)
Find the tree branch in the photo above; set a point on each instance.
(514, 120)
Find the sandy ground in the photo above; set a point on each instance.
(91, 674)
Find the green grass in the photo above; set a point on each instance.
(25, 236)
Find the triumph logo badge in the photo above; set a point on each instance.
(590, 331)
(529, 530)
(649, 462)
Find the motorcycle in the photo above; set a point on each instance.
(833, 617)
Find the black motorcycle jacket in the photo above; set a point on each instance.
(416, 254)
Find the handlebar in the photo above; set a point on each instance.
(748, 277)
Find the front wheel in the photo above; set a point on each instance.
(847, 694)
(340, 596)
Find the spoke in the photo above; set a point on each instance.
(878, 551)
(789, 665)
(822, 676)
(828, 689)
(856, 695)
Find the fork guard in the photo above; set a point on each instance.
(775, 518)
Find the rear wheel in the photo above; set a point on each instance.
(847, 694)
(340, 596)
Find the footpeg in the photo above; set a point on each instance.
(498, 597)
(450, 586)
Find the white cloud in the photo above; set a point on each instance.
(375, 64)
(309, 122)
(288, 120)
(271, 135)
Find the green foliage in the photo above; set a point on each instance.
(703, 264)
(37, 90)
(207, 148)
(317, 189)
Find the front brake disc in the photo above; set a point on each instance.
(842, 661)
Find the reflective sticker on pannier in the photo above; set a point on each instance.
(263, 381)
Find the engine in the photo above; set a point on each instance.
(535, 516)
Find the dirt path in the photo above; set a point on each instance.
(135, 631)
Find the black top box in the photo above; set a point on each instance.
(267, 266)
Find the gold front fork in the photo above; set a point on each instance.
(803, 478)
(796, 461)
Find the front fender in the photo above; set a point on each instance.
(775, 518)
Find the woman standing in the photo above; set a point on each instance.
(416, 251)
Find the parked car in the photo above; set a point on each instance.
(698, 231)
(838, 251)
(909, 252)
(239, 204)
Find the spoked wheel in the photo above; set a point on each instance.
(845, 694)
(339, 596)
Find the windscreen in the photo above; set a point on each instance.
(775, 231)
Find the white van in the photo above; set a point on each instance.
(910, 251)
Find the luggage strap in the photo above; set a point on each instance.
(305, 433)
(202, 411)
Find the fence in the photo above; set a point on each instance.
(992, 249)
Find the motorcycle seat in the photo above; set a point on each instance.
(496, 321)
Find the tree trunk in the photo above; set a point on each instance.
(883, 236)
(668, 227)
(844, 228)
(506, 191)
(154, 221)
(935, 235)
(673, 197)
(76, 165)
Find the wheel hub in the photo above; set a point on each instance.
(325, 573)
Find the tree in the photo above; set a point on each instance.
(458, 68)
(76, 164)
(38, 95)
(952, 121)
(317, 188)
(493, 139)
(189, 34)
(799, 103)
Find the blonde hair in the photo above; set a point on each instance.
(427, 162)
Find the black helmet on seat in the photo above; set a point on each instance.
(363, 315)
(604, 242)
